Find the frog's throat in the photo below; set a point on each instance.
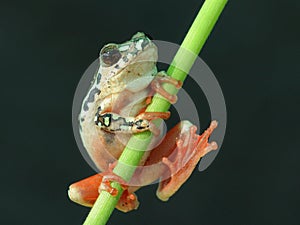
(132, 83)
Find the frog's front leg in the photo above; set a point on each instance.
(114, 122)
(156, 87)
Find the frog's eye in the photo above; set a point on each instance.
(110, 55)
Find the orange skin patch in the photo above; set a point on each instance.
(173, 162)
(86, 192)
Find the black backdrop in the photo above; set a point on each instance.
(47, 45)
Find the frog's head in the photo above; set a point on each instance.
(139, 52)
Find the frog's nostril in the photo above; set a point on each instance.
(110, 55)
(145, 43)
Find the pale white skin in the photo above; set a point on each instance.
(121, 84)
(121, 90)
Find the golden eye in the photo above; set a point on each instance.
(110, 54)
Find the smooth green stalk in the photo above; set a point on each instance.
(180, 66)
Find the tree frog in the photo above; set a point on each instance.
(114, 109)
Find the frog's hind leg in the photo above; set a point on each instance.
(86, 192)
(190, 147)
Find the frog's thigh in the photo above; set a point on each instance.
(180, 161)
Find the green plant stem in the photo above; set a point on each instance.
(180, 66)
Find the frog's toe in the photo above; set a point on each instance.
(144, 121)
(108, 177)
(127, 202)
(162, 78)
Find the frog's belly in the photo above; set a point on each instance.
(135, 103)
(104, 147)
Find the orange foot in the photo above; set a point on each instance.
(86, 192)
(190, 148)
(108, 177)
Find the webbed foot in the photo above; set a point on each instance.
(190, 148)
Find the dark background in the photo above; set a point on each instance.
(45, 46)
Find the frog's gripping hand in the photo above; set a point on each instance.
(156, 86)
